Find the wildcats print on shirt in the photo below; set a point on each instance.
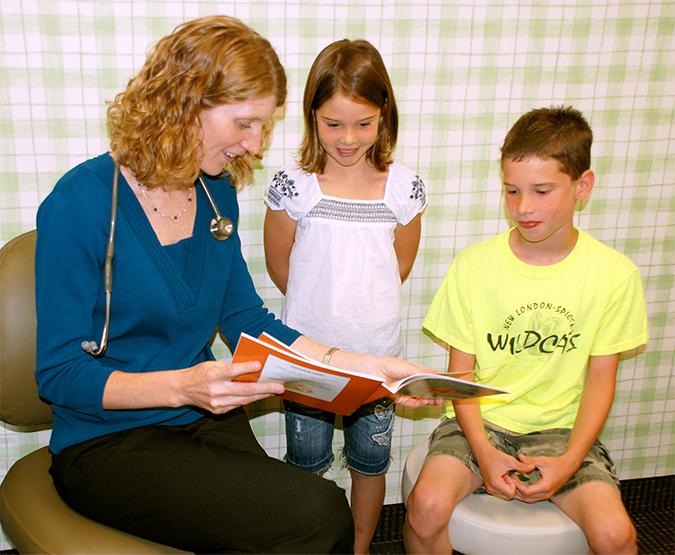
(538, 328)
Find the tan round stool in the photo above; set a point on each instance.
(483, 524)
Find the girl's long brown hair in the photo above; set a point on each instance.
(354, 69)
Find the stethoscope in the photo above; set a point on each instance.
(221, 228)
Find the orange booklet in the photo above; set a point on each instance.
(336, 390)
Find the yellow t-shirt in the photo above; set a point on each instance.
(532, 328)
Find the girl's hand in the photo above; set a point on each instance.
(209, 386)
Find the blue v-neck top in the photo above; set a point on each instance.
(166, 301)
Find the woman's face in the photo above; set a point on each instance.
(230, 130)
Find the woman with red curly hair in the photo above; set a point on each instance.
(150, 436)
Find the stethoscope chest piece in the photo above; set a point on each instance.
(221, 228)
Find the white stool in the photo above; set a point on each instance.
(482, 524)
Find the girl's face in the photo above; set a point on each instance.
(347, 129)
(230, 130)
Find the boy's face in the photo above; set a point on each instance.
(541, 199)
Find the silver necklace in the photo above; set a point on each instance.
(145, 196)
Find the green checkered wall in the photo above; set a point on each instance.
(463, 72)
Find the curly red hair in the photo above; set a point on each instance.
(154, 125)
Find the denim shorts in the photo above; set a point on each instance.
(448, 439)
(367, 449)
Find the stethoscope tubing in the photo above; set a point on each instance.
(221, 228)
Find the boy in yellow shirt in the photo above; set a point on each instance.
(543, 311)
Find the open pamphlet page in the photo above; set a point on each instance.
(318, 385)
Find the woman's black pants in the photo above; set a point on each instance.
(206, 487)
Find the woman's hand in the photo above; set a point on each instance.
(389, 368)
(210, 386)
(417, 402)
(394, 369)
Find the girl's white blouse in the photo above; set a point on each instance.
(344, 286)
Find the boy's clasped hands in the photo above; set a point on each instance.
(506, 477)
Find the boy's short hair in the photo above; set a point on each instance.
(558, 132)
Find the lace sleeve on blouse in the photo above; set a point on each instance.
(409, 193)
